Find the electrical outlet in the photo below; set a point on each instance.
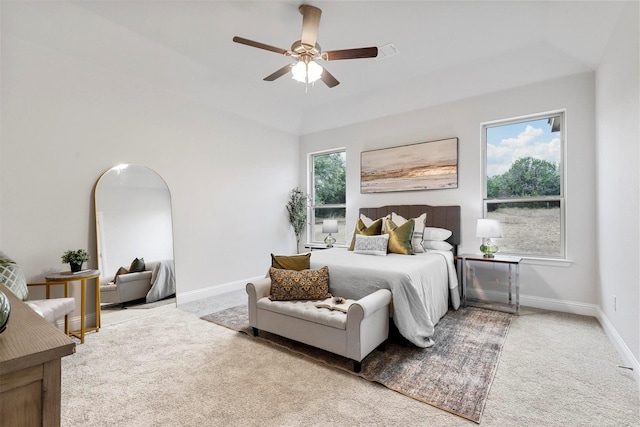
(615, 303)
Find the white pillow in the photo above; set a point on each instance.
(433, 233)
(371, 245)
(436, 244)
(418, 229)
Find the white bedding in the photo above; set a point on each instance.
(421, 285)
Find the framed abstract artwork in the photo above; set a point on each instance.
(423, 166)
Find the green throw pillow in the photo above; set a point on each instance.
(400, 237)
(12, 277)
(374, 229)
(4, 258)
(137, 266)
(291, 262)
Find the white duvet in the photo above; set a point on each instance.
(421, 285)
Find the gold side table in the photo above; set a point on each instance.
(65, 278)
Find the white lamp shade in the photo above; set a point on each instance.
(299, 72)
(314, 71)
(330, 226)
(306, 73)
(487, 228)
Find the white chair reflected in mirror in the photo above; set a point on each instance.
(133, 220)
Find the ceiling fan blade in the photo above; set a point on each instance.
(310, 24)
(281, 72)
(364, 52)
(328, 78)
(261, 45)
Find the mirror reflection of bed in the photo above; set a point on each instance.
(135, 239)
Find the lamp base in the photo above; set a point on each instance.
(329, 240)
(488, 248)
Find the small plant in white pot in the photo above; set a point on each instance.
(75, 259)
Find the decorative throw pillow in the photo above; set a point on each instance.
(369, 222)
(400, 237)
(371, 245)
(292, 262)
(418, 229)
(12, 277)
(4, 258)
(120, 271)
(289, 285)
(137, 266)
(374, 229)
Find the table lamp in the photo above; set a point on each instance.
(330, 226)
(487, 229)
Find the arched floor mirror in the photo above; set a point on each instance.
(134, 223)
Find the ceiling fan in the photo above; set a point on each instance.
(306, 52)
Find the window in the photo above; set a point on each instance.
(328, 192)
(524, 185)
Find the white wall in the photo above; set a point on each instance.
(618, 184)
(65, 122)
(570, 288)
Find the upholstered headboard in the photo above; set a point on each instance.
(437, 216)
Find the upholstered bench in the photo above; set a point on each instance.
(354, 334)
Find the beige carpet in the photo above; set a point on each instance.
(172, 369)
(454, 375)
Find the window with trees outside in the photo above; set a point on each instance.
(524, 185)
(328, 193)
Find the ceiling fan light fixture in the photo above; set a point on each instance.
(306, 72)
(314, 71)
(299, 72)
(307, 51)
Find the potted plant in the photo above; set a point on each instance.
(297, 208)
(75, 259)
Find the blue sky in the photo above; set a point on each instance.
(508, 143)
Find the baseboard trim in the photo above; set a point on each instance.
(627, 356)
(572, 307)
(185, 297)
(74, 322)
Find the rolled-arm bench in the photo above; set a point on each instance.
(354, 334)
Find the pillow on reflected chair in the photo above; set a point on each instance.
(121, 270)
(137, 266)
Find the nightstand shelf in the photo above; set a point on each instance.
(511, 261)
(316, 246)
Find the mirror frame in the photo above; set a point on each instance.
(98, 221)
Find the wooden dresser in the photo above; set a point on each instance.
(30, 352)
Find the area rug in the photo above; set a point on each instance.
(454, 375)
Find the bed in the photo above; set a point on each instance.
(423, 285)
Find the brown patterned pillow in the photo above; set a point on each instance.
(289, 285)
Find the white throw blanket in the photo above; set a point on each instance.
(163, 280)
(421, 285)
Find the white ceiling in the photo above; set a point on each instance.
(448, 50)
